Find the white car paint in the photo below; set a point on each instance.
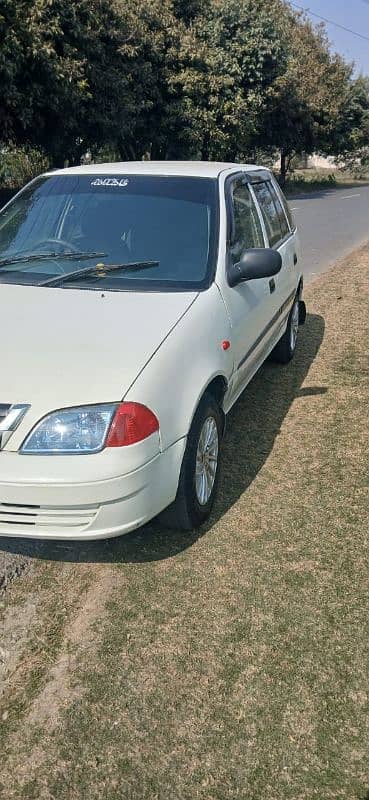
(114, 334)
(161, 349)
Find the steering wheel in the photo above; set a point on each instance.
(62, 242)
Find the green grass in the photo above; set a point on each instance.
(234, 663)
(320, 180)
(43, 643)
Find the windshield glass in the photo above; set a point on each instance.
(74, 222)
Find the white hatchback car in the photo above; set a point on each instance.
(137, 302)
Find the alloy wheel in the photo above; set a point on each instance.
(207, 460)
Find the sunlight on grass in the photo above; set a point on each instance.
(234, 663)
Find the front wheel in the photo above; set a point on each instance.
(284, 351)
(200, 469)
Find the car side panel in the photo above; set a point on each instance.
(175, 379)
(276, 306)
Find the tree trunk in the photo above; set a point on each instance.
(205, 147)
(122, 149)
(289, 162)
(156, 152)
(283, 172)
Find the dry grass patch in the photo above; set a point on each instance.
(234, 664)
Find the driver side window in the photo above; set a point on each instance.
(246, 229)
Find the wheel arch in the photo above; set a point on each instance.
(217, 388)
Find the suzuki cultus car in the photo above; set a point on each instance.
(137, 302)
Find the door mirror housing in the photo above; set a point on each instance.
(254, 264)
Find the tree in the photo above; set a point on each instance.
(353, 131)
(307, 102)
(214, 79)
(39, 73)
(75, 75)
(226, 60)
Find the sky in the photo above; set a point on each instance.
(352, 14)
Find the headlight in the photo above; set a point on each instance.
(73, 430)
(88, 429)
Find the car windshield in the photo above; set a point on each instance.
(65, 224)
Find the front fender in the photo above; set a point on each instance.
(174, 380)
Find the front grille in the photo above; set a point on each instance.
(4, 410)
(39, 518)
(10, 417)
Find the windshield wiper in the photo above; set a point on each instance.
(46, 256)
(98, 271)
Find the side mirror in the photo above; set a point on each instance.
(254, 264)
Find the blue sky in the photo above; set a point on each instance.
(353, 14)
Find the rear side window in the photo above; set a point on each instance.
(287, 210)
(272, 211)
(247, 231)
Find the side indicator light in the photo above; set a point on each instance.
(226, 344)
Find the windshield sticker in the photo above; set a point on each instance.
(110, 182)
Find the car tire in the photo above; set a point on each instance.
(200, 469)
(285, 350)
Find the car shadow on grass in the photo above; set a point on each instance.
(252, 427)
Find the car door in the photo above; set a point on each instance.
(247, 303)
(281, 237)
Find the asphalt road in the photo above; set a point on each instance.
(331, 224)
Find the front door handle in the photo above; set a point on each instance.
(295, 259)
(272, 285)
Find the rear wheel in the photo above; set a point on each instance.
(200, 469)
(284, 351)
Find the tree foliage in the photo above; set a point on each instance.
(228, 60)
(214, 79)
(353, 131)
(309, 100)
(76, 75)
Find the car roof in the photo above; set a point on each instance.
(195, 169)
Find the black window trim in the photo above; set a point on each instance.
(262, 176)
(281, 198)
(268, 178)
(253, 177)
(230, 179)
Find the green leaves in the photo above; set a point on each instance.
(310, 99)
(169, 78)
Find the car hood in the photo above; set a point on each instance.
(65, 347)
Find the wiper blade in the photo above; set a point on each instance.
(46, 256)
(99, 271)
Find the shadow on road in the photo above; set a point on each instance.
(252, 427)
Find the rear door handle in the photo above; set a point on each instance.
(272, 285)
(295, 259)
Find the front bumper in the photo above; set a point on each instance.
(101, 507)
